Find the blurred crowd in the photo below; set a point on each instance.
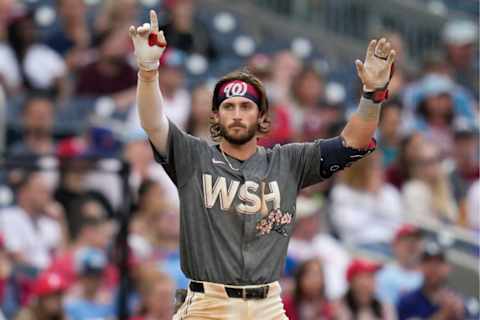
(68, 86)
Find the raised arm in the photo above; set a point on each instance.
(375, 74)
(149, 45)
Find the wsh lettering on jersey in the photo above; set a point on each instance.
(253, 196)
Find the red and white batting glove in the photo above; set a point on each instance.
(149, 43)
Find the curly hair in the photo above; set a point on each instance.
(263, 127)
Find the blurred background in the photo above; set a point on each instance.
(89, 223)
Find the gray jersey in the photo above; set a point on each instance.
(236, 217)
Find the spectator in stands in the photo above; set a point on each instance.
(309, 300)
(365, 209)
(427, 195)
(436, 112)
(31, 234)
(50, 74)
(37, 129)
(433, 299)
(198, 123)
(260, 65)
(389, 131)
(116, 15)
(281, 131)
(460, 38)
(73, 188)
(172, 81)
(72, 38)
(307, 92)
(151, 200)
(318, 122)
(87, 206)
(185, 32)
(312, 113)
(157, 235)
(47, 302)
(111, 74)
(102, 142)
(285, 69)
(137, 152)
(310, 240)
(402, 274)
(360, 301)
(473, 206)
(465, 155)
(399, 171)
(157, 291)
(94, 231)
(90, 302)
(436, 87)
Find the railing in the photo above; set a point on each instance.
(360, 19)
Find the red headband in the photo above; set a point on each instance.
(237, 88)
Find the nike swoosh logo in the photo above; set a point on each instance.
(215, 161)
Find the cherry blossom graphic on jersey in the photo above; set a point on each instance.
(276, 220)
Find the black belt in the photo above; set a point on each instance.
(244, 293)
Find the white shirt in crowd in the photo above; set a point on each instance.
(33, 239)
(43, 66)
(363, 217)
(177, 109)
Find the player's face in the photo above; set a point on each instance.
(238, 118)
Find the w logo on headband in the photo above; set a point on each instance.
(235, 89)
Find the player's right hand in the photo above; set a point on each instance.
(377, 70)
(149, 43)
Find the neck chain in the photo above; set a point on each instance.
(226, 159)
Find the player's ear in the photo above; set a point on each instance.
(214, 117)
(261, 117)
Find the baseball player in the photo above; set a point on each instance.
(237, 199)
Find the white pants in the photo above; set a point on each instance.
(215, 304)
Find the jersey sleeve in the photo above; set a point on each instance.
(313, 162)
(178, 161)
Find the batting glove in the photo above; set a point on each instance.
(377, 69)
(149, 43)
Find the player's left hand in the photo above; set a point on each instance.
(376, 71)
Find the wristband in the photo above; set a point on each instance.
(376, 96)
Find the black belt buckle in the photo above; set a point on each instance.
(245, 293)
(248, 293)
(257, 293)
(196, 287)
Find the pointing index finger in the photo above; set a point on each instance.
(153, 21)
